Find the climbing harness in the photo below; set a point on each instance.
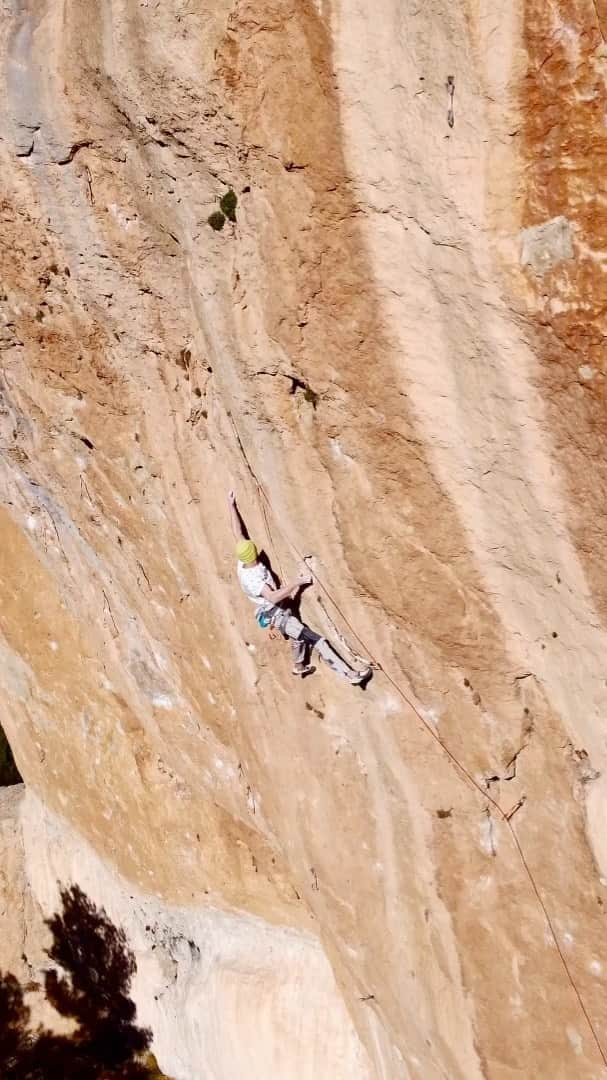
(461, 769)
(266, 619)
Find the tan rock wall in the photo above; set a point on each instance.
(223, 993)
(367, 338)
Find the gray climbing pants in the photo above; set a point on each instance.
(302, 639)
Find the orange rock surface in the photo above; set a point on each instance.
(395, 356)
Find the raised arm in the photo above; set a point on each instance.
(235, 518)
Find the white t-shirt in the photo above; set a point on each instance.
(253, 579)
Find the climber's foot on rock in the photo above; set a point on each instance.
(360, 678)
(303, 669)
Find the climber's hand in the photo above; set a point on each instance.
(304, 577)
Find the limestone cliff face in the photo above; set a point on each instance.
(396, 357)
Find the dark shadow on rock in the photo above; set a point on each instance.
(9, 773)
(15, 1032)
(90, 985)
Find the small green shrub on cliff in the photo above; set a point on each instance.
(311, 396)
(228, 204)
(154, 1071)
(227, 212)
(216, 220)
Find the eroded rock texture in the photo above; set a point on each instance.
(396, 356)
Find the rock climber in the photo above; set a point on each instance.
(274, 607)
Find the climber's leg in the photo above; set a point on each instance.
(292, 628)
(333, 660)
(298, 653)
(302, 636)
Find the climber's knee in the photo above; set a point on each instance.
(321, 643)
(310, 637)
(289, 626)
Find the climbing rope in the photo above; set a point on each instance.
(457, 764)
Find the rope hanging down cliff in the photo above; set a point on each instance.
(460, 769)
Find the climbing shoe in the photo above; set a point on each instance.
(303, 669)
(357, 678)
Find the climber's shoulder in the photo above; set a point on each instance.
(254, 578)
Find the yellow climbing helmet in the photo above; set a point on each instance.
(246, 551)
